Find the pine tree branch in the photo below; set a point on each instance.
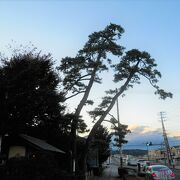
(74, 95)
(79, 79)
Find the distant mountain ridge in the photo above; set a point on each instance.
(138, 140)
(133, 152)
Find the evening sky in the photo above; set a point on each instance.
(62, 28)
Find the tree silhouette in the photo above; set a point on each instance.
(132, 66)
(82, 71)
(102, 139)
(29, 96)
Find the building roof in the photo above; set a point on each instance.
(41, 143)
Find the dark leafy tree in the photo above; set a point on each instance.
(66, 123)
(101, 140)
(31, 101)
(29, 95)
(119, 131)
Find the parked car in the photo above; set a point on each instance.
(132, 162)
(143, 164)
(159, 172)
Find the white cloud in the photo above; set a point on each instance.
(146, 130)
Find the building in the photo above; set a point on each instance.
(160, 154)
(156, 154)
(24, 146)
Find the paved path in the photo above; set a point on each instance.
(109, 173)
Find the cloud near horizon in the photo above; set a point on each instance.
(137, 130)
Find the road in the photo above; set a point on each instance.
(111, 172)
(177, 172)
(115, 161)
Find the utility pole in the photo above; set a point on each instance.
(148, 152)
(167, 147)
(0, 143)
(120, 149)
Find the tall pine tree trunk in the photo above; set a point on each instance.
(101, 119)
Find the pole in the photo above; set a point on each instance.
(74, 153)
(120, 150)
(148, 151)
(0, 143)
(168, 150)
(110, 159)
(118, 112)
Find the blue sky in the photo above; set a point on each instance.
(62, 28)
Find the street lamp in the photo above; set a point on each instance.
(148, 144)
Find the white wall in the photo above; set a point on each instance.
(17, 151)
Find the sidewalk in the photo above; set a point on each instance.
(111, 173)
(177, 167)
